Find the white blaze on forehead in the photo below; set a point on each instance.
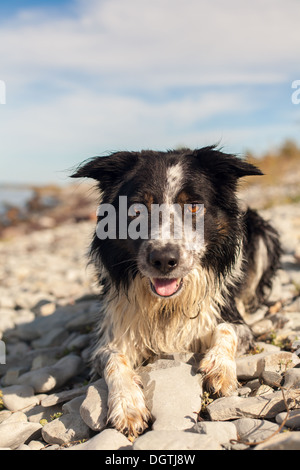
(161, 229)
(173, 182)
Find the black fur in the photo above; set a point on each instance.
(210, 178)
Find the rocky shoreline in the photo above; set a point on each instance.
(48, 304)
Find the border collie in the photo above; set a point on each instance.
(163, 295)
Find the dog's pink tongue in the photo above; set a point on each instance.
(165, 287)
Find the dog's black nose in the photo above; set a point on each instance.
(164, 260)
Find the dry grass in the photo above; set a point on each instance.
(281, 181)
(277, 165)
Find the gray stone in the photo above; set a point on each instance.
(79, 342)
(4, 415)
(262, 327)
(109, 439)
(66, 429)
(37, 413)
(221, 432)
(292, 378)
(267, 347)
(295, 318)
(45, 308)
(17, 417)
(35, 445)
(254, 430)
(48, 378)
(6, 319)
(293, 420)
(284, 441)
(86, 319)
(243, 391)
(61, 397)
(175, 440)
(293, 306)
(37, 328)
(73, 406)
(265, 406)
(14, 434)
(12, 376)
(273, 379)
(19, 397)
(252, 366)
(43, 360)
(173, 394)
(94, 407)
(54, 337)
(280, 362)
(262, 390)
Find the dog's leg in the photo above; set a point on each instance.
(127, 411)
(218, 364)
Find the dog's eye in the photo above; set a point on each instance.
(136, 209)
(193, 208)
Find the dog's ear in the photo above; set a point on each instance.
(107, 170)
(224, 166)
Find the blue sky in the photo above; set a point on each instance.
(87, 77)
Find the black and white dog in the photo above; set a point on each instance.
(164, 294)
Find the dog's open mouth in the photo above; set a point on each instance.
(165, 287)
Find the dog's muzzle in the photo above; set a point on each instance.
(164, 261)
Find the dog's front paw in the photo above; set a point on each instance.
(219, 374)
(127, 411)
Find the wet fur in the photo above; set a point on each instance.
(232, 275)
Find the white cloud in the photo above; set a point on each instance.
(162, 42)
(139, 74)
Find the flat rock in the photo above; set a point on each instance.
(47, 378)
(264, 406)
(73, 406)
(54, 337)
(173, 394)
(19, 397)
(35, 414)
(284, 441)
(64, 396)
(14, 434)
(254, 430)
(292, 378)
(4, 415)
(175, 440)
(273, 379)
(109, 439)
(221, 431)
(67, 428)
(280, 362)
(293, 306)
(252, 366)
(94, 409)
(293, 420)
(17, 417)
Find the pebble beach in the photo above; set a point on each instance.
(48, 306)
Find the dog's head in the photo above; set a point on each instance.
(163, 213)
